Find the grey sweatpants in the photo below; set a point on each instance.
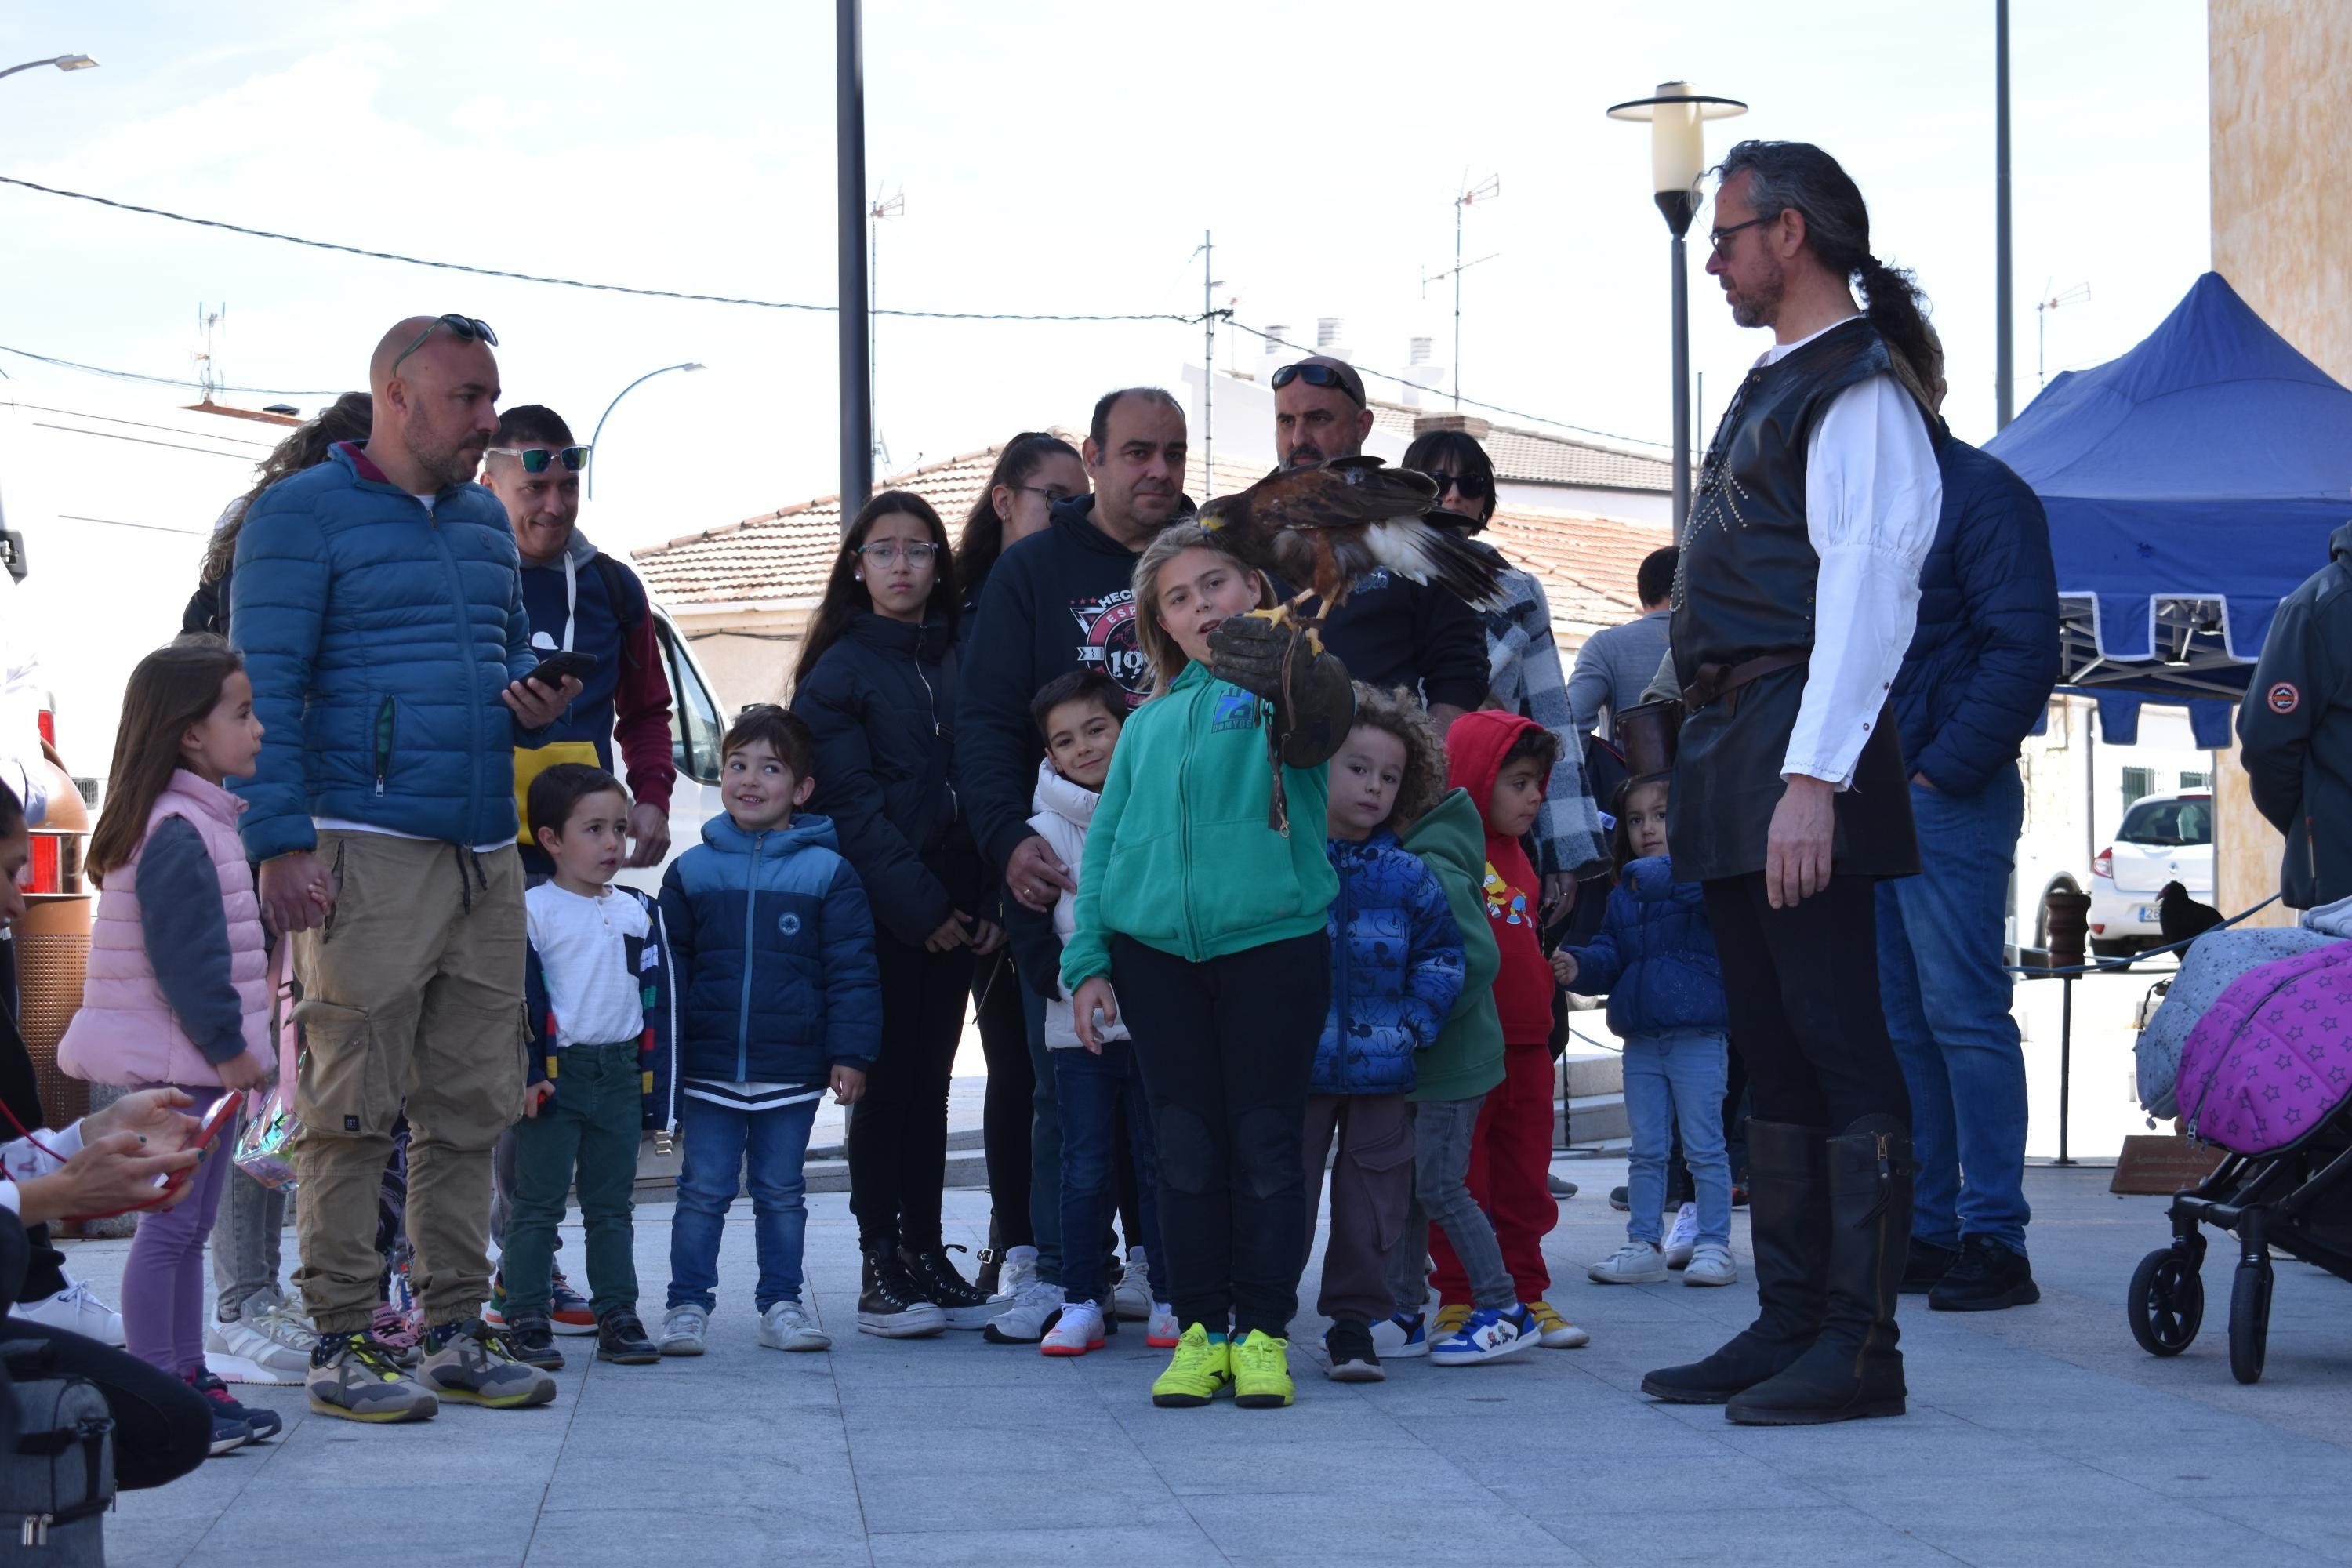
(246, 1244)
(1371, 1189)
(1442, 1130)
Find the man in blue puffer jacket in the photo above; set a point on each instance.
(378, 605)
(1979, 672)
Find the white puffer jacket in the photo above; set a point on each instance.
(1064, 812)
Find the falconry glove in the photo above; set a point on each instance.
(1314, 699)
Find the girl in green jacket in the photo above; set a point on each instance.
(1209, 923)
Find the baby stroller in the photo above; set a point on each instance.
(2267, 1074)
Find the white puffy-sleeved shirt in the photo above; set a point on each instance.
(1873, 497)
(21, 1160)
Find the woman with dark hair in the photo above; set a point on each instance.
(1524, 674)
(347, 418)
(875, 685)
(1034, 472)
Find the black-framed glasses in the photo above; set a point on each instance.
(1314, 376)
(538, 459)
(1471, 485)
(1716, 236)
(887, 554)
(1051, 492)
(467, 327)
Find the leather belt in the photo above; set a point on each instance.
(1724, 680)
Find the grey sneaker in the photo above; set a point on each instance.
(683, 1329)
(472, 1363)
(358, 1381)
(1635, 1263)
(786, 1326)
(1133, 1299)
(266, 1341)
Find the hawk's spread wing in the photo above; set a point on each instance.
(1336, 523)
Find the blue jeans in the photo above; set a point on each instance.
(1948, 1000)
(1089, 1090)
(713, 1140)
(1044, 1145)
(1675, 1081)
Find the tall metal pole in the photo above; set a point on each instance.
(1457, 301)
(856, 370)
(1208, 364)
(1681, 384)
(2004, 367)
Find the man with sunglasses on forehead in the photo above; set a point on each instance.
(377, 600)
(582, 600)
(1391, 632)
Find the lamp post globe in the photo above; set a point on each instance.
(63, 63)
(625, 391)
(1677, 118)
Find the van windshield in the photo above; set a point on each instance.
(2168, 823)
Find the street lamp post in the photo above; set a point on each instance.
(1677, 159)
(63, 63)
(625, 391)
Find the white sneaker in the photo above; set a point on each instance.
(75, 1310)
(1165, 1333)
(786, 1326)
(1132, 1299)
(1079, 1329)
(268, 1342)
(1025, 1321)
(1404, 1336)
(1711, 1264)
(1635, 1263)
(1682, 1237)
(685, 1329)
(1014, 1273)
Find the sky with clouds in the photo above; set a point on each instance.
(1055, 156)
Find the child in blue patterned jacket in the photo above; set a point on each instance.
(1654, 959)
(1396, 970)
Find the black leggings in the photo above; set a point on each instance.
(899, 1132)
(1011, 1080)
(1806, 1015)
(1228, 1050)
(163, 1427)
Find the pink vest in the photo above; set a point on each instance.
(126, 1033)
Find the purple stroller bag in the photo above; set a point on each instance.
(2272, 1059)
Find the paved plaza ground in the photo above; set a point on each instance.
(2037, 1435)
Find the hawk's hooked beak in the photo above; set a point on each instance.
(1212, 520)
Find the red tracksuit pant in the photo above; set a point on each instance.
(1510, 1161)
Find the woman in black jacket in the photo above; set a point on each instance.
(875, 684)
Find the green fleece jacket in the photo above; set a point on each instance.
(1466, 1059)
(1180, 856)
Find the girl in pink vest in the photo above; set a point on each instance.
(178, 989)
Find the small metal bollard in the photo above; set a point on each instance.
(2068, 919)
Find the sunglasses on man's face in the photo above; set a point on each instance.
(467, 327)
(538, 459)
(1313, 375)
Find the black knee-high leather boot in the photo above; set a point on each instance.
(1852, 1368)
(1789, 1208)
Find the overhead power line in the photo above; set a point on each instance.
(705, 299)
(171, 380)
(578, 283)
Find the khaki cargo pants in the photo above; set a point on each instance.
(412, 993)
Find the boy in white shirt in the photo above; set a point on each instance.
(599, 1069)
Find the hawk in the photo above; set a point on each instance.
(1327, 527)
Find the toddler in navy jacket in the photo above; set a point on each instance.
(1654, 959)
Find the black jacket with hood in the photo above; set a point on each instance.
(2294, 730)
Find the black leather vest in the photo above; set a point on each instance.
(1745, 587)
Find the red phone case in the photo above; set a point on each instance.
(222, 1117)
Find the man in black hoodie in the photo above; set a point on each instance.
(1058, 601)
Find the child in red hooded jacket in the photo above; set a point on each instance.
(1503, 761)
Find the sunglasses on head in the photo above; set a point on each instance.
(1313, 375)
(538, 459)
(467, 327)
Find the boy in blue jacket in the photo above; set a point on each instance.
(773, 949)
(600, 1068)
(1655, 958)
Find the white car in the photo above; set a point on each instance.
(2163, 839)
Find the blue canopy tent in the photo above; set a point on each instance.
(2191, 484)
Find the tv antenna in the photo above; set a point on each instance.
(1486, 190)
(1210, 284)
(207, 370)
(2079, 293)
(890, 206)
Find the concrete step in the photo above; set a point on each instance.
(826, 1170)
(1590, 1119)
(1587, 1070)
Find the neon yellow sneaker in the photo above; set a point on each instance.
(1450, 1319)
(1559, 1333)
(1201, 1369)
(1262, 1371)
